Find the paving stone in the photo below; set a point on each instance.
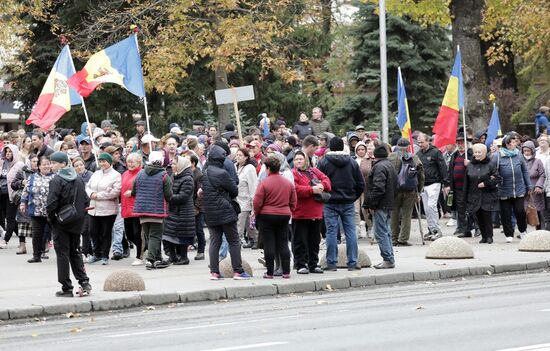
(160, 299)
(454, 272)
(365, 280)
(4, 315)
(84, 306)
(330, 284)
(26, 312)
(537, 265)
(538, 241)
(425, 276)
(295, 287)
(117, 303)
(204, 295)
(236, 292)
(392, 278)
(516, 267)
(124, 280)
(449, 247)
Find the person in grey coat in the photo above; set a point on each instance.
(537, 177)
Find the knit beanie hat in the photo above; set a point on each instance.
(106, 157)
(403, 142)
(381, 151)
(60, 157)
(336, 144)
(156, 158)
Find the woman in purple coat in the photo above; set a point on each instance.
(536, 173)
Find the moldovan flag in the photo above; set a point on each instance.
(119, 64)
(56, 97)
(403, 118)
(494, 127)
(446, 123)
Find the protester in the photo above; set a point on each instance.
(40, 148)
(132, 226)
(537, 177)
(10, 165)
(318, 123)
(197, 203)
(248, 182)
(302, 128)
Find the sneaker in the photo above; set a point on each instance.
(199, 257)
(509, 239)
(428, 236)
(267, 276)
(161, 264)
(116, 256)
(303, 270)
(86, 288)
(92, 259)
(137, 262)
(149, 265)
(3, 244)
(451, 222)
(34, 260)
(64, 293)
(241, 276)
(182, 261)
(286, 276)
(317, 270)
(104, 261)
(384, 265)
(215, 276)
(354, 268)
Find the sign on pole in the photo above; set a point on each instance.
(234, 95)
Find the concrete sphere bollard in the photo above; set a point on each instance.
(363, 260)
(124, 280)
(537, 241)
(449, 247)
(226, 269)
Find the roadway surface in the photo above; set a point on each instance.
(481, 313)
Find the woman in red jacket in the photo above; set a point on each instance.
(132, 226)
(274, 201)
(308, 215)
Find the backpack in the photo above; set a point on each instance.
(407, 179)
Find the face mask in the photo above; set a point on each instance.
(234, 150)
(528, 157)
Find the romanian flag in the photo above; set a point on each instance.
(56, 96)
(403, 118)
(494, 127)
(119, 64)
(446, 123)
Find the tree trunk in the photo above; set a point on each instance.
(223, 110)
(326, 14)
(466, 21)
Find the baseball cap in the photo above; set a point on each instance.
(148, 138)
(359, 127)
(254, 143)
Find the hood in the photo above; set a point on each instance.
(361, 143)
(67, 173)
(15, 151)
(153, 169)
(282, 160)
(216, 156)
(185, 172)
(530, 145)
(338, 158)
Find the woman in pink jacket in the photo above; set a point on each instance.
(132, 227)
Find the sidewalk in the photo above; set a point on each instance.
(27, 290)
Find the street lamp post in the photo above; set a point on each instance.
(383, 71)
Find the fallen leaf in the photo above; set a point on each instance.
(34, 335)
(172, 305)
(489, 273)
(321, 302)
(328, 287)
(36, 319)
(76, 330)
(420, 308)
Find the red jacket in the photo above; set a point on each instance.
(275, 196)
(127, 203)
(307, 207)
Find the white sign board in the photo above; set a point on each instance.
(227, 96)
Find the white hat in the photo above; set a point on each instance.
(156, 157)
(176, 130)
(148, 138)
(98, 132)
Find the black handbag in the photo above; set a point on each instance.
(322, 197)
(67, 213)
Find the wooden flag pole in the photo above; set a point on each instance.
(237, 116)
(85, 114)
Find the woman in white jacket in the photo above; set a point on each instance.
(248, 182)
(103, 190)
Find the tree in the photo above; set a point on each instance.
(424, 57)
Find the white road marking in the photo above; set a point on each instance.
(156, 331)
(547, 310)
(251, 346)
(539, 347)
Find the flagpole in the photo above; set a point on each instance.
(85, 113)
(135, 29)
(463, 115)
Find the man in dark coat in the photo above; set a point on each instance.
(67, 188)
(380, 196)
(219, 190)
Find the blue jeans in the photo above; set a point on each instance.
(117, 234)
(381, 228)
(346, 213)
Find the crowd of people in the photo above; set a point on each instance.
(288, 191)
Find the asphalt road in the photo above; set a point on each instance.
(485, 313)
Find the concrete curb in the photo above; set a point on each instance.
(242, 292)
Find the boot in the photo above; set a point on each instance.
(249, 245)
(22, 249)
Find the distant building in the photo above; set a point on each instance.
(9, 115)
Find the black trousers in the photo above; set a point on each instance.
(132, 228)
(86, 244)
(274, 229)
(305, 242)
(232, 236)
(485, 223)
(199, 226)
(66, 249)
(506, 207)
(38, 227)
(4, 200)
(101, 228)
(11, 223)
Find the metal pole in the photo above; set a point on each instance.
(383, 71)
(85, 113)
(464, 117)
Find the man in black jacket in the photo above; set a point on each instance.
(347, 186)
(435, 173)
(380, 195)
(67, 188)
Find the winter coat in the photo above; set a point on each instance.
(106, 185)
(307, 207)
(275, 196)
(381, 186)
(486, 198)
(127, 183)
(180, 221)
(90, 164)
(537, 177)
(302, 129)
(120, 167)
(435, 168)
(347, 183)
(515, 176)
(197, 182)
(320, 126)
(470, 156)
(35, 194)
(248, 182)
(66, 187)
(152, 189)
(540, 120)
(17, 185)
(218, 190)
(13, 167)
(45, 150)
